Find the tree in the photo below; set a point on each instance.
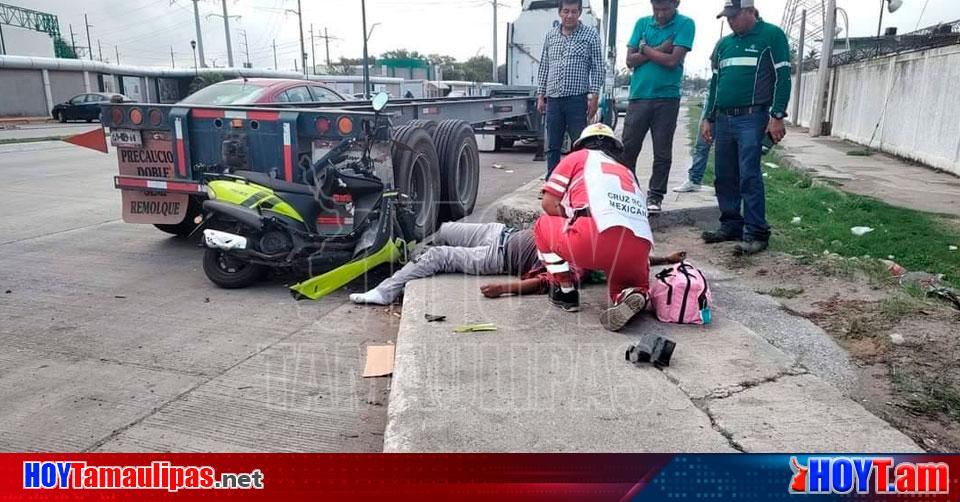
(477, 69)
(402, 54)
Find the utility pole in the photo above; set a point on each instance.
(226, 29)
(73, 43)
(313, 51)
(366, 66)
(196, 19)
(89, 45)
(295, 65)
(326, 38)
(118, 53)
(173, 64)
(823, 76)
(100, 50)
(495, 75)
(303, 52)
(275, 65)
(798, 92)
(3, 48)
(246, 46)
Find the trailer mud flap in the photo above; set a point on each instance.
(157, 208)
(324, 284)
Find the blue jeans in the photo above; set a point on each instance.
(739, 178)
(701, 155)
(564, 115)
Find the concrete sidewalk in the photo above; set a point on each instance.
(757, 380)
(895, 181)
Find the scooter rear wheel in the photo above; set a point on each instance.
(230, 273)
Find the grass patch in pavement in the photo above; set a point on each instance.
(13, 141)
(916, 240)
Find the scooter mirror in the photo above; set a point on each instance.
(380, 101)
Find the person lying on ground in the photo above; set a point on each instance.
(474, 249)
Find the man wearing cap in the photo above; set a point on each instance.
(748, 99)
(656, 52)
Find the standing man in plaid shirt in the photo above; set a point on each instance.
(571, 72)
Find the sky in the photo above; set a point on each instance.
(145, 31)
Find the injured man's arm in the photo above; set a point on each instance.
(536, 282)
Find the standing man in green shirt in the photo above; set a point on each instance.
(748, 99)
(656, 52)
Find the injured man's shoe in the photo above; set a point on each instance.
(370, 297)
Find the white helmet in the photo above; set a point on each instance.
(597, 130)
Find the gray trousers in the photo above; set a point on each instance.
(659, 118)
(468, 248)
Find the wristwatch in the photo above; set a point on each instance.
(778, 115)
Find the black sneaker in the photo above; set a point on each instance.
(568, 302)
(715, 236)
(630, 303)
(750, 247)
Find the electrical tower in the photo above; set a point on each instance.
(792, 19)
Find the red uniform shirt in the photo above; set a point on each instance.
(567, 182)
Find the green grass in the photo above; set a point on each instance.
(11, 141)
(919, 241)
(787, 293)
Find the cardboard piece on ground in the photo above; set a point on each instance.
(379, 361)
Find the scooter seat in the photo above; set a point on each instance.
(263, 179)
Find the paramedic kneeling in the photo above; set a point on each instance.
(596, 219)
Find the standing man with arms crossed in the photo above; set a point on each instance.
(656, 52)
(569, 78)
(748, 98)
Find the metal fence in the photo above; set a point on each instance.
(863, 49)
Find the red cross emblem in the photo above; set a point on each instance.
(626, 177)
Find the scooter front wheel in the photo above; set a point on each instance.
(228, 272)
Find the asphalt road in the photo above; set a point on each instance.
(114, 340)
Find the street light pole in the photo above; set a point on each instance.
(193, 45)
(366, 66)
(89, 45)
(495, 75)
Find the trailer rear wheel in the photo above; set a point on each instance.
(429, 125)
(416, 172)
(459, 168)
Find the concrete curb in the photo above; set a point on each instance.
(548, 381)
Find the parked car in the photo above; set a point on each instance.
(86, 106)
(262, 91)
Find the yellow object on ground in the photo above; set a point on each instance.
(324, 284)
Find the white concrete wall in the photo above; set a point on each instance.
(914, 97)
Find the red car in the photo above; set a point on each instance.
(261, 91)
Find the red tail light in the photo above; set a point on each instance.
(323, 125)
(156, 116)
(116, 116)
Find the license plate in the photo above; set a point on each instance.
(127, 138)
